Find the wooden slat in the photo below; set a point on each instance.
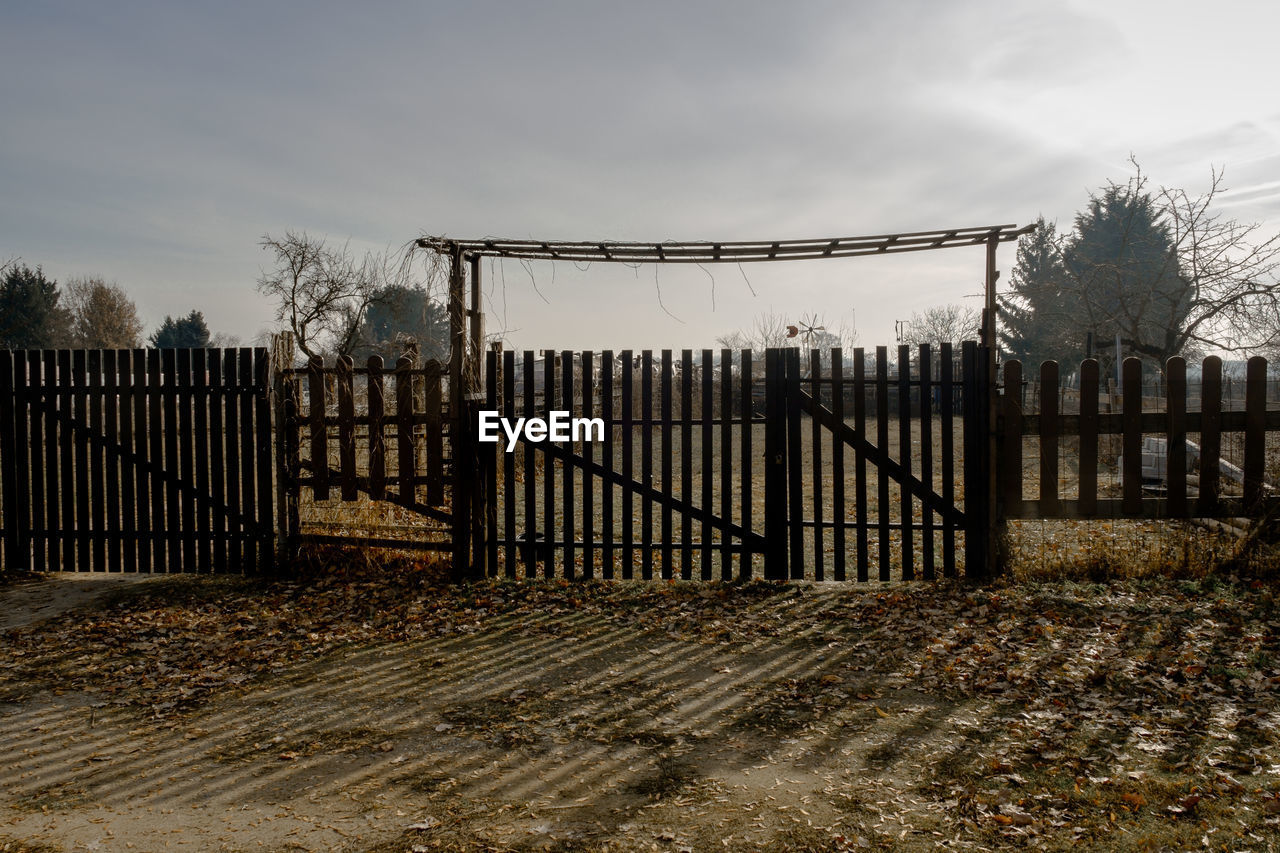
(231, 440)
(904, 455)
(531, 550)
(433, 432)
(406, 447)
(1049, 437)
(1255, 435)
(248, 455)
(266, 493)
(83, 461)
(375, 392)
(54, 406)
(628, 430)
(745, 490)
(1210, 434)
(1011, 454)
(606, 499)
(726, 462)
(667, 484)
(508, 494)
(860, 462)
(838, 515)
(708, 478)
(200, 428)
(97, 459)
(548, 470)
(490, 465)
(946, 402)
(1089, 435)
(186, 455)
(1132, 440)
(66, 461)
(795, 463)
(819, 534)
(111, 436)
(319, 433)
(974, 439)
(219, 523)
(926, 457)
(646, 463)
(567, 472)
(775, 474)
(14, 491)
(1175, 373)
(882, 442)
(686, 461)
(346, 428)
(35, 401)
(588, 481)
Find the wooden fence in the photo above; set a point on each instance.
(1078, 435)
(136, 460)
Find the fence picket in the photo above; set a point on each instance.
(815, 454)
(606, 499)
(588, 478)
(111, 436)
(34, 399)
(374, 393)
(1255, 432)
(906, 505)
(567, 468)
(860, 463)
(837, 465)
(744, 560)
(926, 456)
(1088, 500)
(665, 435)
(1210, 434)
(708, 476)
(686, 461)
(200, 426)
(946, 402)
(1132, 440)
(509, 495)
(1049, 426)
(221, 524)
(187, 505)
(1175, 373)
(882, 440)
(532, 551)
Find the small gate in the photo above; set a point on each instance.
(715, 466)
(363, 454)
(876, 457)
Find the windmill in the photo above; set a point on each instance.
(807, 327)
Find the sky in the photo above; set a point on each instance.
(156, 144)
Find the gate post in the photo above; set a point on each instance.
(775, 466)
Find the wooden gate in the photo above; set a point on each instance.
(876, 458)
(364, 463)
(136, 460)
(712, 465)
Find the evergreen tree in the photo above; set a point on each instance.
(30, 316)
(397, 314)
(183, 333)
(1124, 271)
(1039, 310)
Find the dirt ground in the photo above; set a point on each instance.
(376, 712)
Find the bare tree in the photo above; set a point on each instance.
(942, 324)
(321, 292)
(1231, 270)
(102, 316)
